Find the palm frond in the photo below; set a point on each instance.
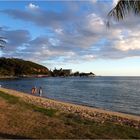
(122, 8)
(2, 42)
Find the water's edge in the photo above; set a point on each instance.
(121, 94)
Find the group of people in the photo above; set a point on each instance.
(35, 91)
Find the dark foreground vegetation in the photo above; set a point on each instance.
(20, 119)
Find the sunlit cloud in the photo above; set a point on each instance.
(32, 6)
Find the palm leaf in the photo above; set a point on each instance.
(122, 8)
(2, 42)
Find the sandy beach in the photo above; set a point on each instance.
(90, 113)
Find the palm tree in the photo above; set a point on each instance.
(2, 42)
(122, 8)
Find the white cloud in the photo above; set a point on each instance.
(32, 6)
(115, 2)
(95, 23)
(128, 44)
(59, 31)
(89, 57)
(126, 40)
(54, 41)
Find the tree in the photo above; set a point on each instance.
(122, 8)
(2, 42)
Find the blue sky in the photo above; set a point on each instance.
(71, 34)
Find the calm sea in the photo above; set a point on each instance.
(120, 94)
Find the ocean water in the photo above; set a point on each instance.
(121, 94)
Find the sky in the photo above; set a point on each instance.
(71, 34)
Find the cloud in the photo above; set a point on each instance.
(77, 35)
(32, 6)
(59, 31)
(15, 38)
(42, 18)
(115, 2)
(129, 43)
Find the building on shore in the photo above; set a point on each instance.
(62, 72)
(67, 72)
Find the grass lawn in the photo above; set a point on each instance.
(23, 120)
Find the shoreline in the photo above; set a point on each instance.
(91, 113)
(27, 76)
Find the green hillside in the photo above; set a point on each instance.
(19, 67)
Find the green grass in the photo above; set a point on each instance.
(71, 119)
(92, 129)
(9, 98)
(16, 100)
(49, 112)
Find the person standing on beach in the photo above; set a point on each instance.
(34, 90)
(40, 91)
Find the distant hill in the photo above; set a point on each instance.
(19, 67)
